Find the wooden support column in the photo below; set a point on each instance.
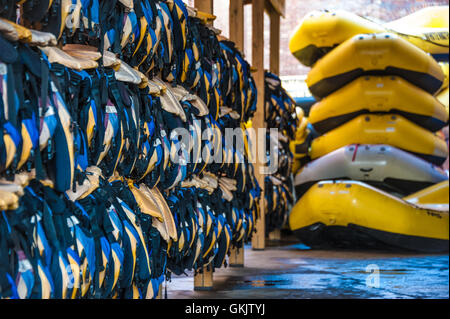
(237, 257)
(275, 235)
(275, 69)
(236, 22)
(160, 292)
(274, 41)
(258, 240)
(205, 5)
(204, 280)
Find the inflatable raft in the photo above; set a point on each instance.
(356, 215)
(319, 32)
(390, 129)
(374, 54)
(445, 67)
(427, 29)
(383, 166)
(443, 97)
(434, 197)
(378, 94)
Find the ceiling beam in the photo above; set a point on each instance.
(236, 22)
(278, 5)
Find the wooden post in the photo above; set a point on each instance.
(204, 280)
(275, 235)
(236, 22)
(160, 292)
(237, 257)
(258, 239)
(274, 41)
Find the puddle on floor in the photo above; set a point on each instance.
(305, 274)
(260, 283)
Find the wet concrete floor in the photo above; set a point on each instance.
(291, 270)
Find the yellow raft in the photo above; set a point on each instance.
(356, 215)
(378, 94)
(319, 32)
(443, 97)
(445, 69)
(392, 130)
(435, 196)
(427, 29)
(374, 54)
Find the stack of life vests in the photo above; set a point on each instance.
(100, 195)
(280, 113)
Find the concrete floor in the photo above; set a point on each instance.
(290, 270)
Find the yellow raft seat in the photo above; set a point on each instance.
(319, 32)
(378, 94)
(374, 54)
(353, 215)
(392, 130)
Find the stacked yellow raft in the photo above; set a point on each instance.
(382, 100)
(321, 31)
(356, 214)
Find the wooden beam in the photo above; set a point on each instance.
(204, 280)
(274, 42)
(237, 257)
(160, 291)
(275, 235)
(205, 5)
(236, 22)
(279, 6)
(258, 239)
